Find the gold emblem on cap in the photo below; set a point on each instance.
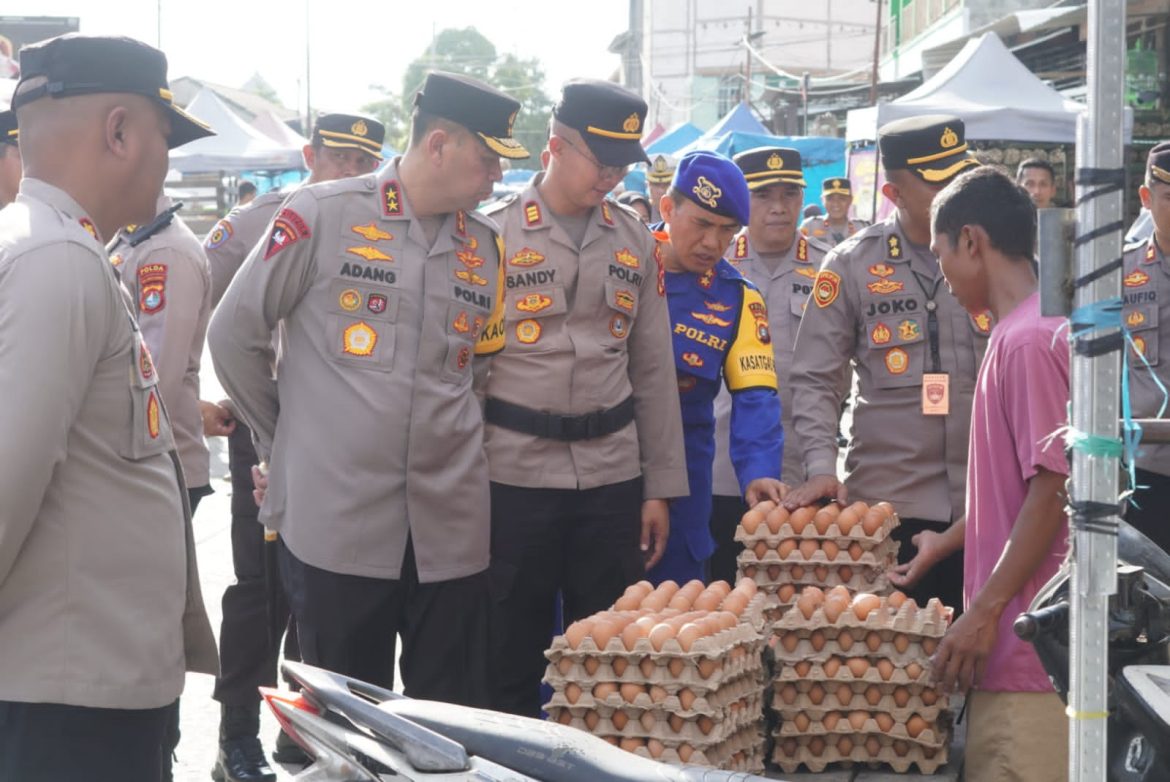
(836, 183)
(775, 161)
(632, 124)
(949, 138)
(706, 192)
(359, 128)
(660, 163)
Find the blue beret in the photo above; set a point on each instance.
(714, 183)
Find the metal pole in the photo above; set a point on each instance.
(308, 77)
(877, 53)
(1094, 397)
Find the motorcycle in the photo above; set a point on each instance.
(357, 732)
(1138, 731)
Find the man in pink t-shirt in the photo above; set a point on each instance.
(1016, 531)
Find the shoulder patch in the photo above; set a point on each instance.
(288, 229)
(826, 288)
(219, 234)
(152, 287)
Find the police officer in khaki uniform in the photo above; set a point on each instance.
(387, 286)
(584, 435)
(659, 175)
(835, 226)
(342, 145)
(100, 607)
(880, 301)
(10, 169)
(782, 263)
(1146, 308)
(166, 273)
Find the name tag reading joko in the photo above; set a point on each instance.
(936, 394)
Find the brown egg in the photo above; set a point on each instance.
(685, 751)
(929, 752)
(816, 746)
(610, 739)
(773, 572)
(676, 722)
(785, 549)
(632, 634)
(901, 748)
(832, 610)
(653, 603)
(707, 667)
(735, 603)
(857, 666)
(839, 592)
(708, 601)
(808, 548)
(873, 695)
(747, 586)
(591, 719)
(855, 551)
(750, 571)
(687, 636)
(788, 747)
(789, 641)
(884, 721)
(660, 634)
(603, 690)
(802, 668)
(873, 746)
(564, 665)
(896, 599)
(800, 518)
(680, 602)
(577, 631)
(565, 717)
(631, 691)
(776, 519)
(845, 746)
(914, 670)
(847, 520)
(686, 697)
(816, 694)
(844, 695)
(830, 720)
(676, 667)
(901, 642)
(872, 521)
(760, 549)
(806, 604)
(706, 725)
(929, 645)
(845, 641)
(915, 725)
(627, 603)
(831, 549)
(630, 744)
(786, 593)
(864, 603)
(619, 665)
(751, 521)
(572, 692)
(845, 573)
(901, 696)
(831, 666)
(788, 694)
(647, 667)
(620, 719)
(885, 669)
(817, 639)
(873, 641)
(821, 573)
(860, 508)
(655, 748)
(929, 696)
(801, 721)
(887, 510)
(825, 517)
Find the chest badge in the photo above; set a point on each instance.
(526, 257)
(881, 334)
(908, 331)
(885, 287)
(349, 300)
(624, 300)
(897, 361)
(371, 232)
(692, 359)
(1136, 279)
(716, 306)
(376, 303)
(807, 271)
(882, 270)
(534, 302)
(528, 331)
(627, 258)
(359, 339)
(153, 416)
(369, 253)
(1135, 319)
(619, 326)
(709, 319)
(470, 277)
(1139, 345)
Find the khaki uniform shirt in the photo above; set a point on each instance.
(785, 290)
(586, 328)
(372, 430)
(168, 279)
(233, 237)
(1146, 309)
(819, 228)
(99, 592)
(870, 304)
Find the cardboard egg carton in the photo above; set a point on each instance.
(888, 704)
(714, 703)
(816, 673)
(770, 577)
(658, 724)
(834, 533)
(715, 646)
(806, 648)
(929, 621)
(749, 741)
(878, 556)
(935, 734)
(899, 754)
(672, 673)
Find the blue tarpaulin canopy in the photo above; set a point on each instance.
(738, 120)
(674, 139)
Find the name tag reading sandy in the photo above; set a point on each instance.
(936, 394)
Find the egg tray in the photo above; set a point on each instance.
(712, 646)
(749, 716)
(935, 734)
(929, 621)
(887, 704)
(878, 556)
(804, 650)
(867, 579)
(685, 673)
(928, 759)
(709, 704)
(748, 741)
(834, 533)
(816, 673)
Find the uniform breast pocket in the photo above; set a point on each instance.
(1142, 323)
(464, 324)
(897, 351)
(149, 431)
(361, 342)
(528, 313)
(622, 303)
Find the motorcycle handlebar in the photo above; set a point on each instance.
(1028, 625)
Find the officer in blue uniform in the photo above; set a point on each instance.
(719, 325)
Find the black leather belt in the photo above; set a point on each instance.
(552, 426)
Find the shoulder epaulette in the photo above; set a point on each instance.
(499, 204)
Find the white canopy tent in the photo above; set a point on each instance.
(236, 146)
(272, 126)
(994, 93)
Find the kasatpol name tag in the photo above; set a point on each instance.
(936, 394)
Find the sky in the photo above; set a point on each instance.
(352, 44)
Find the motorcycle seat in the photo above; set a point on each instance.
(547, 750)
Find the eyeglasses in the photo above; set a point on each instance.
(605, 172)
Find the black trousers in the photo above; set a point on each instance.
(583, 544)
(247, 658)
(51, 742)
(349, 624)
(945, 579)
(726, 513)
(1152, 519)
